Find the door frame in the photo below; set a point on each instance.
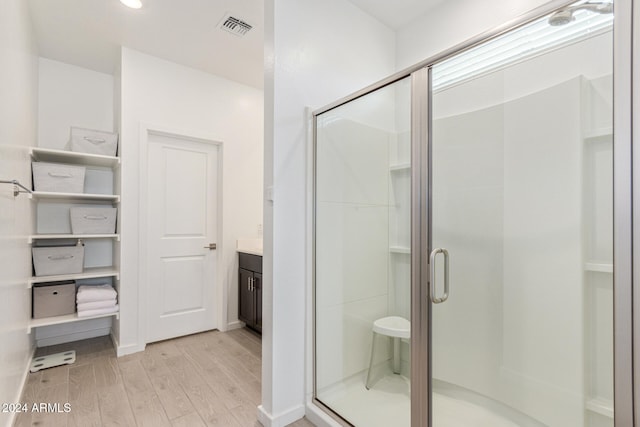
(626, 197)
(143, 276)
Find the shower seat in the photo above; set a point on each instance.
(396, 328)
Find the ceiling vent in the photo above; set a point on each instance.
(234, 25)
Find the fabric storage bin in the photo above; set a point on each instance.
(53, 260)
(58, 177)
(93, 220)
(93, 141)
(54, 299)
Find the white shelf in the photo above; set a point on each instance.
(72, 236)
(69, 318)
(598, 133)
(89, 273)
(399, 250)
(600, 406)
(400, 167)
(43, 195)
(599, 267)
(71, 157)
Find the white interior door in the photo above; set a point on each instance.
(181, 224)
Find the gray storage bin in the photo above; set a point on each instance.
(54, 260)
(58, 177)
(54, 299)
(93, 220)
(93, 141)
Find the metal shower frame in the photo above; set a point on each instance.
(626, 211)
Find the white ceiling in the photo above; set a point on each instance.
(88, 33)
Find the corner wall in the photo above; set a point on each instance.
(315, 53)
(18, 117)
(160, 93)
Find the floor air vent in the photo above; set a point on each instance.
(235, 26)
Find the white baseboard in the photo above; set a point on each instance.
(23, 383)
(234, 325)
(74, 336)
(123, 350)
(114, 341)
(281, 420)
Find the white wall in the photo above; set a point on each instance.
(172, 97)
(18, 117)
(71, 96)
(452, 22)
(316, 52)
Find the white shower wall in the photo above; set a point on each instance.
(352, 247)
(543, 344)
(362, 215)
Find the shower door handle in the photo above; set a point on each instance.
(432, 275)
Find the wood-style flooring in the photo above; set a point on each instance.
(207, 379)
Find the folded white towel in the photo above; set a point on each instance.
(93, 305)
(89, 293)
(97, 312)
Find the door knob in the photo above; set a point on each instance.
(211, 246)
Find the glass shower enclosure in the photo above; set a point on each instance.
(463, 235)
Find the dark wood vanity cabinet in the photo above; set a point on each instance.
(250, 291)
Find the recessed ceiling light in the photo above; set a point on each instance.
(133, 4)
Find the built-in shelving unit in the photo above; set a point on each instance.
(110, 272)
(600, 406)
(599, 267)
(597, 197)
(599, 133)
(88, 273)
(75, 197)
(69, 318)
(74, 158)
(399, 250)
(34, 237)
(400, 167)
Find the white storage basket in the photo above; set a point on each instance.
(93, 220)
(93, 141)
(55, 260)
(58, 177)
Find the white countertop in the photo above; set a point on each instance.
(251, 246)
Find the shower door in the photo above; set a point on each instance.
(363, 258)
(522, 211)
